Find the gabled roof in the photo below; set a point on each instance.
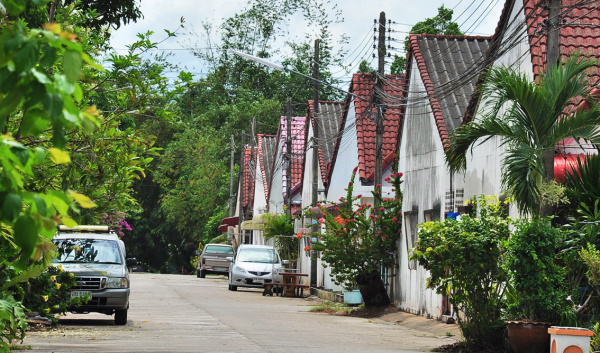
(298, 133)
(329, 121)
(266, 154)
(248, 182)
(449, 67)
(363, 85)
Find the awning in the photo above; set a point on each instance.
(228, 222)
(257, 222)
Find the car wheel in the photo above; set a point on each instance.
(121, 317)
(198, 273)
(232, 288)
(202, 274)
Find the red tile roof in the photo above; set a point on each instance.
(298, 133)
(248, 182)
(578, 31)
(578, 34)
(266, 154)
(363, 85)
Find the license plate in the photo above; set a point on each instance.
(80, 293)
(258, 280)
(222, 269)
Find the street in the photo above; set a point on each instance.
(176, 313)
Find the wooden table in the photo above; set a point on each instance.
(290, 286)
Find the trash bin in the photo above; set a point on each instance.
(569, 339)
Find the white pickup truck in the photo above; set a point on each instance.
(214, 260)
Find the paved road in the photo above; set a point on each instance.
(174, 313)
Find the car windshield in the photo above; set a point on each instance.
(213, 249)
(262, 255)
(87, 250)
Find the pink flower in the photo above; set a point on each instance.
(321, 220)
(359, 196)
(378, 185)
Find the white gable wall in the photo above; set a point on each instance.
(304, 261)
(483, 173)
(425, 181)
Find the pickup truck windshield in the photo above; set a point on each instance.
(87, 251)
(213, 249)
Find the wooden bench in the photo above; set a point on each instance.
(283, 289)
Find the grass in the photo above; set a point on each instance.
(327, 306)
(21, 347)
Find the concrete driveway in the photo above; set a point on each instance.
(175, 313)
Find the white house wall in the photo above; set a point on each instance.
(483, 172)
(425, 182)
(304, 260)
(275, 196)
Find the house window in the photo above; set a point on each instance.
(410, 224)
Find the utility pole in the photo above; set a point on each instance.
(316, 171)
(241, 186)
(288, 184)
(379, 107)
(231, 169)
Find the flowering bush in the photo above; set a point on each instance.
(117, 222)
(465, 261)
(50, 293)
(360, 239)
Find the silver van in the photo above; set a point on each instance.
(96, 256)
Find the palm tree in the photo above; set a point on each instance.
(531, 118)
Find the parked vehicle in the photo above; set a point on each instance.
(214, 260)
(96, 256)
(255, 265)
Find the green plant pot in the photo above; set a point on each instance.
(528, 337)
(352, 297)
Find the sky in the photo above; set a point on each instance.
(475, 17)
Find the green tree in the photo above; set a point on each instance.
(98, 13)
(439, 24)
(365, 68)
(530, 119)
(398, 65)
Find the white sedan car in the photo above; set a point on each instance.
(255, 265)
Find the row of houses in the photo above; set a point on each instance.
(437, 93)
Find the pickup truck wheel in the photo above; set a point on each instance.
(198, 273)
(121, 317)
(202, 274)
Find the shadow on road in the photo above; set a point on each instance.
(87, 322)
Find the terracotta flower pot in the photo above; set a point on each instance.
(529, 337)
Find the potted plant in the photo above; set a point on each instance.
(536, 295)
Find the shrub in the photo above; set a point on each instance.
(465, 259)
(538, 282)
(50, 293)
